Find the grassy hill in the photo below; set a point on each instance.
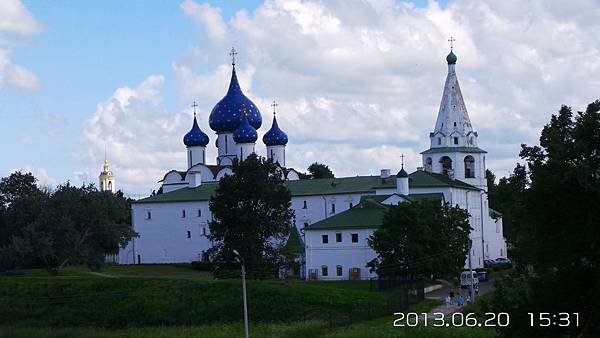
(170, 295)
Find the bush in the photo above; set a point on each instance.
(202, 266)
(501, 266)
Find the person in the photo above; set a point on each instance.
(448, 301)
(452, 297)
(461, 300)
(476, 289)
(468, 299)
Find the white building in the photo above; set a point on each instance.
(335, 216)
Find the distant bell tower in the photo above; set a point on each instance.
(106, 178)
(453, 147)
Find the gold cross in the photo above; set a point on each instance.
(233, 53)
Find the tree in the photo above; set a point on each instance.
(251, 214)
(557, 232)
(319, 170)
(20, 203)
(68, 226)
(421, 239)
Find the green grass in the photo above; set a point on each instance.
(380, 328)
(163, 295)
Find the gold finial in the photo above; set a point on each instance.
(232, 53)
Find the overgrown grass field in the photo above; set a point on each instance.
(176, 301)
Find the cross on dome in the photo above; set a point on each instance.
(402, 159)
(274, 105)
(194, 105)
(451, 40)
(232, 53)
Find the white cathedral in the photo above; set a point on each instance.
(333, 217)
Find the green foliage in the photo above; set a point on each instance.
(251, 214)
(52, 228)
(552, 207)
(421, 239)
(202, 266)
(319, 170)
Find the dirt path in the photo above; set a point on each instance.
(100, 274)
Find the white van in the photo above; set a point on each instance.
(465, 279)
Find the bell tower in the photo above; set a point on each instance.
(453, 149)
(106, 178)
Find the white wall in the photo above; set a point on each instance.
(347, 254)
(163, 237)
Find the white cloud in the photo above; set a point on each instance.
(209, 17)
(16, 24)
(358, 83)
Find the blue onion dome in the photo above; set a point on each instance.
(195, 137)
(275, 136)
(245, 133)
(451, 58)
(227, 114)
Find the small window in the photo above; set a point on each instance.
(304, 205)
(338, 237)
(354, 238)
(333, 208)
(204, 231)
(189, 234)
(324, 239)
(455, 124)
(456, 140)
(350, 205)
(305, 224)
(199, 212)
(324, 270)
(439, 141)
(148, 215)
(139, 257)
(338, 270)
(182, 213)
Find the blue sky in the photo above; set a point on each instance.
(83, 52)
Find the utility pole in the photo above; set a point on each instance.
(246, 331)
(471, 272)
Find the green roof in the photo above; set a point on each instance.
(454, 149)
(363, 216)
(438, 196)
(294, 243)
(323, 186)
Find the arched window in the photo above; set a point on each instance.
(469, 167)
(110, 185)
(428, 164)
(446, 165)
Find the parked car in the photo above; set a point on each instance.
(488, 262)
(501, 260)
(465, 279)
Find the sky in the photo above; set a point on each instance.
(358, 83)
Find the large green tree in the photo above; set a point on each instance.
(251, 214)
(421, 239)
(71, 225)
(556, 230)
